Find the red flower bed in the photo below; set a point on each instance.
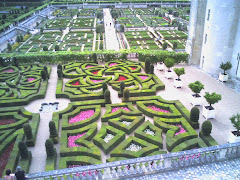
(121, 78)
(76, 83)
(4, 158)
(6, 121)
(133, 68)
(95, 72)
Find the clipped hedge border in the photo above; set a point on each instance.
(98, 140)
(189, 144)
(209, 140)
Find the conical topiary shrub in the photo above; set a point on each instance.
(107, 96)
(23, 150)
(122, 86)
(50, 150)
(147, 65)
(206, 128)
(59, 66)
(45, 69)
(104, 87)
(59, 72)
(28, 131)
(43, 75)
(194, 117)
(151, 69)
(53, 132)
(126, 94)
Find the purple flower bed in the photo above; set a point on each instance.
(4, 158)
(182, 130)
(8, 70)
(81, 116)
(6, 121)
(117, 108)
(158, 109)
(89, 66)
(96, 81)
(112, 64)
(72, 139)
(84, 174)
(31, 79)
(143, 77)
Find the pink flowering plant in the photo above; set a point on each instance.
(158, 109)
(31, 79)
(143, 77)
(81, 116)
(117, 108)
(72, 139)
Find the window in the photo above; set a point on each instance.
(208, 15)
(205, 38)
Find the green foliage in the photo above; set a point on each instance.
(225, 66)
(18, 39)
(235, 120)
(206, 128)
(122, 86)
(122, 28)
(28, 131)
(57, 48)
(23, 150)
(94, 57)
(45, 48)
(2, 62)
(196, 87)
(212, 98)
(60, 74)
(9, 47)
(126, 94)
(101, 46)
(104, 87)
(165, 45)
(107, 96)
(147, 65)
(179, 72)
(52, 129)
(99, 14)
(59, 66)
(194, 115)
(49, 148)
(169, 62)
(43, 75)
(99, 28)
(41, 30)
(174, 45)
(15, 62)
(21, 37)
(151, 69)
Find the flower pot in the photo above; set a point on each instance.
(168, 74)
(178, 83)
(207, 113)
(196, 100)
(160, 66)
(223, 77)
(233, 137)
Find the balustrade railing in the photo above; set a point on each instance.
(141, 166)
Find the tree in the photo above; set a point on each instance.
(176, 14)
(99, 28)
(41, 29)
(18, 39)
(196, 87)
(56, 47)
(206, 128)
(179, 72)
(9, 47)
(28, 131)
(225, 66)
(107, 96)
(45, 48)
(170, 11)
(50, 150)
(21, 37)
(174, 45)
(169, 62)
(164, 45)
(99, 14)
(235, 120)
(122, 28)
(212, 98)
(147, 65)
(101, 46)
(28, 32)
(23, 150)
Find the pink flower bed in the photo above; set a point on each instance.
(143, 77)
(81, 116)
(117, 108)
(96, 81)
(133, 68)
(31, 79)
(72, 139)
(8, 70)
(158, 109)
(76, 83)
(6, 121)
(89, 66)
(121, 78)
(112, 64)
(4, 158)
(182, 130)
(95, 72)
(84, 174)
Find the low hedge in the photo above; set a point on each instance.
(51, 163)
(98, 140)
(189, 144)
(209, 140)
(25, 163)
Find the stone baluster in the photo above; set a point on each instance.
(61, 177)
(114, 172)
(74, 176)
(137, 168)
(143, 167)
(68, 177)
(107, 174)
(132, 170)
(99, 173)
(89, 175)
(94, 174)
(149, 167)
(119, 171)
(54, 178)
(187, 160)
(154, 165)
(161, 164)
(238, 151)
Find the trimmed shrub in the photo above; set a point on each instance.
(164, 45)
(169, 62)
(43, 75)
(59, 66)
(52, 129)
(59, 72)
(15, 61)
(104, 87)
(196, 87)
(126, 94)
(23, 150)
(57, 48)
(174, 45)
(49, 148)
(179, 72)
(225, 66)
(194, 115)
(122, 86)
(45, 48)
(147, 65)
(206, 128)
(151, 69)
(212, 98)
(28, 131)
(107, 96)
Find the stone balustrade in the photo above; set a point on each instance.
(146, 165)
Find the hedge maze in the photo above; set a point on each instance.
(142, 125)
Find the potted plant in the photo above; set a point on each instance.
(196, 87)
(224, 76)
(208, 111)
(178, 82)
(234, 136)
(160, 64)
(169, 62)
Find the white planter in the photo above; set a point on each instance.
(196, 101)
(232, 138)
(169, 74)
(160, 66)
(223, 77)
(208, 114)
(177, 83)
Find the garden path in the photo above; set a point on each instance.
(225, 108)
(38, 151)
(110, 31)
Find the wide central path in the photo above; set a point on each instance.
(38, 151)
(110, 31)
